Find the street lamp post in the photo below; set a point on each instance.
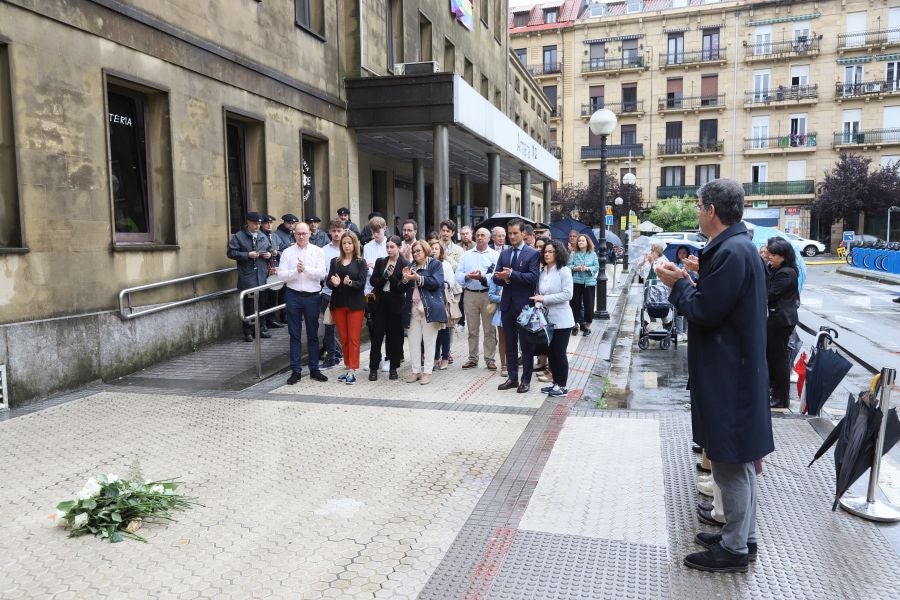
(890, 210)
(629, 180)
(602, 123)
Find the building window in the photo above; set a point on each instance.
(630, 51)
(484, 11)
(310, 14)
(522, 55)
(10, 215)
(706, 173)
(551, 15)
(449, 56)
(245, 167)
(675, 49)
(709, 134)
(425, 40)
(629, 97)
(550, 92)
(520, 19)
(500, 16)
(140, 159)
(629, 134)
(597, 55)
(759, 173)
(673, 138)
(394, 33)
(711, 44)
(709, 90)
(550, 62)
(672, 176)
(469, 72)
(498, 98)
(517, 85)
(674, 92)
(485, 87)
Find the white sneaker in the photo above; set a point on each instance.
(794, 377)
(705, 488)
(385, 366)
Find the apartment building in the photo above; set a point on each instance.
(136, 135)
(763, 92)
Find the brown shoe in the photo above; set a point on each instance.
(490, 364)
(425, 379)
(508, 385)
(470, 364)
(413, 377)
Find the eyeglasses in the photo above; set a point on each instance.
(301, 233)
(417, 251)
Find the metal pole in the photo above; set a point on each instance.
(548, 195)
(256, 334)
(869, 507)
(466, 186)
(441, 172)
(627, 227)
(419, 197)
(890, 210)
(525, 184)
(601, 313)
(493, 183)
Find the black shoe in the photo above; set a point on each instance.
(702, 469)
(696, 449)
(508, 385)
(773, 403)
(705, 516)
(546, 389)
(248, 337)
(708, 540)
(586, 332)
(265, 334)
(373, 374)
(294, 378)
(523, 388)
(275, 324)
(393, 374)
(317, 375)
(717, 560)
(897, 300)
(704, 505)
(575, 330)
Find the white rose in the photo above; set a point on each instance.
(110, 478)
(157, 489)
(90, 489)
(60, 519)
(80, 520)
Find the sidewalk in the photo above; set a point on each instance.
(393, 490)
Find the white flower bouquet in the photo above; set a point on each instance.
(115, 508)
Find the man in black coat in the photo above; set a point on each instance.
(726, 313)
(251, 249)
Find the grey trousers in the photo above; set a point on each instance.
(737, 482)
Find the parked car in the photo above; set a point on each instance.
(805, 246)
(859, 238)
(675, 237)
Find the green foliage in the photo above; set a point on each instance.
(850, 188)
(675, 214)
(582, 202)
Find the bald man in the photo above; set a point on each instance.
(472, 274)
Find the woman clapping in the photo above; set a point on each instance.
(424, 308)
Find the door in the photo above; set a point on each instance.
(798, 130)
(763, 37)
(673, 138)
(676, 49)
(891, 124)
(894, 25)
(629, 97)
(710, 44)
(709, 90)
(596, 98)
(892, 77)
(760, 128)
(629, 134)
(799, 78)
(672, 176)
(761, 85)
(709, 133)
(550, 92)
(851, 119)
(853, 77)
(550, 59)
(801, 40)
(674, 92)
(759, 175)
(705, 173)
(630, 53)
(598, 55)
(856, 24)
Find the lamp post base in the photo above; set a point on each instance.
(871, 511)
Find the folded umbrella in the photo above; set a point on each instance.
(824, 371)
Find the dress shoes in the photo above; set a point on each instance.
(470, 364)
(393, 374)
(703, 469)
(294, 378)
(708, 540)
(265, 334)
(275, 324)
(318, 376)
(696, 449)
(523, 388)
(717, 560)
(248, 337)
(709, 517)
(773, 403)
(508, 385)
(373, 374)
(705, 488)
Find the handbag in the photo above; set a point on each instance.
(453, 311)
(534, 326)
(327, 319)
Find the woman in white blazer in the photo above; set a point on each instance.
(555, 289)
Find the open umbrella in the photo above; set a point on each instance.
(824, 371)
(560, 230)
(761, 235)
(855, 435)
(649, 227)
(671, 251)
(610, 237)
(501, 220)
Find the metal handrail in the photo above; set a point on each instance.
(257, 314)
(130, 314)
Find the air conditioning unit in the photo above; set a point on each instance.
(634, 7)
(417, 68)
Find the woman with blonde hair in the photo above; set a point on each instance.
(424, 308)
(452, 290)
(346, 278)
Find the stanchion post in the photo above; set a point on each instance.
(256, 334)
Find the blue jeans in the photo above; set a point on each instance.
(299, 309)
(329, 339)
(442, 348)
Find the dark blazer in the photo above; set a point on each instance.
(729, 379)
(351, 296)
(523, 280)
(431, 290)
(395, 297)
(784, 297)
(251, 273)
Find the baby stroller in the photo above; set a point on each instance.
(657, 306)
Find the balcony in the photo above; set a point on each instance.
(612, 66)
(687, 104)
(556, 151)
(775, 51)
(780, 188)
(783, 95)
(546, 69)
(781, 144)
(682, 149)
(866, 91)
(613, 152)
(556, 112)
(869, 137)
(630, 108)
(694, 58)
(869, 40)
(676, 191)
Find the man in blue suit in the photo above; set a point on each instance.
(517, 273)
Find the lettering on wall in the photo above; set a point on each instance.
(119, 119)
(526, 147)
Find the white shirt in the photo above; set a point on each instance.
(454, 254)
(329, 251)
(372, 251)
(476, 260)
(314, 268)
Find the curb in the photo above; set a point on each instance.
(870, 275)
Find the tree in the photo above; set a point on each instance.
(675, 214)
(579, 201)
(849, 188)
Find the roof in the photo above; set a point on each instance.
(568, 12)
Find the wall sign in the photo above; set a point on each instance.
(464, 10)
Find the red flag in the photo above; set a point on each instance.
(800, 370)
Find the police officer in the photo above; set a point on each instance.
(252, 251)
(317, 236)
(269, 298)
(285, 231)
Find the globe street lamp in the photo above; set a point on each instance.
(629, 180)
(602, 123)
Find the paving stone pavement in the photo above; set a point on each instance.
(393, 490)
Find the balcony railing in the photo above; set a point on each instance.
(556, 151)
(678, 147)
(612, 64)
(775, 50)
(780, 188)
(619, 108)
(547, 68)
(613, 151)
(868, 137)
(793, 140)
(878, 37)
(676, 191)
(691, 102)
(865, 88)
(556, 112)
(692, 58)
(783, 93)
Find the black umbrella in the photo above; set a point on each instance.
(855, 435)
(559, 230)
(501, 220)
(610, 237)
(824, 371)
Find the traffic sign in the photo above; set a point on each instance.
(609, 220)
(848, 236)
(609, 210)
(624, 223)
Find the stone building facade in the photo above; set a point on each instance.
(765, 92)
(135, 136)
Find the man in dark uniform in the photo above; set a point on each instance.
(251, 249)
(269, 298)
(343, 214)
(285, 231)
(317, 236)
